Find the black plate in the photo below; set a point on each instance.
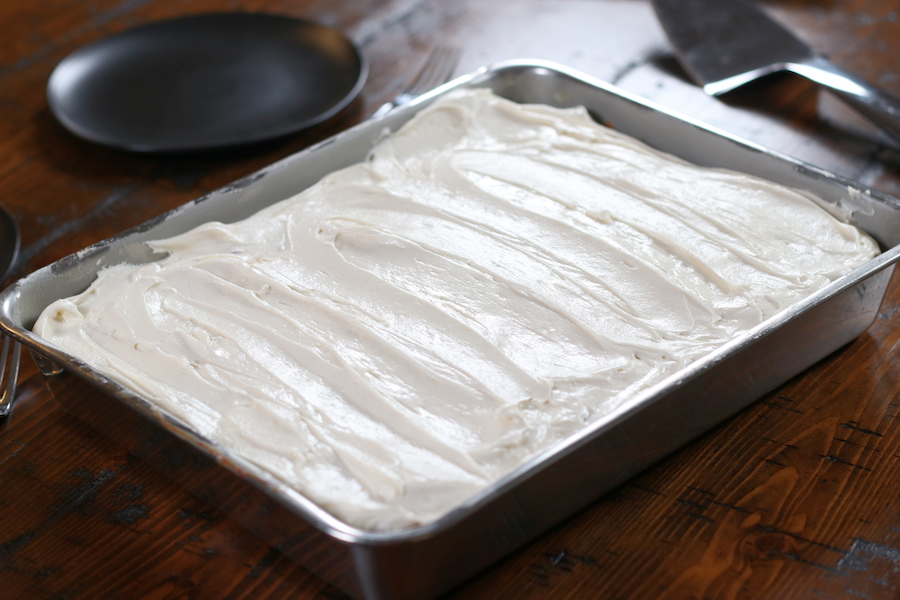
(204, 82)
(9, 244)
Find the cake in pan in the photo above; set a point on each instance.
(412, 328)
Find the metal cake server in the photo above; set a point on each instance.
(723, 44)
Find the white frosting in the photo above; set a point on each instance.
(412, 328)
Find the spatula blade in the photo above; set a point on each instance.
(723, 44)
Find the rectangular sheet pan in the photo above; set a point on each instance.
(424, 561)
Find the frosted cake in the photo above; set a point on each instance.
(412, 328)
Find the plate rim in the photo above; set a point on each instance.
(54, 101)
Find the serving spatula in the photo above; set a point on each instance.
(724, 44)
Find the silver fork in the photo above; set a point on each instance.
(438, 69)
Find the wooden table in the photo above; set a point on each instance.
(796, 497)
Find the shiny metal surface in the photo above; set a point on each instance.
(724, 44)
(413, 563)
(719, 40)
(9, 360)
(9, 374)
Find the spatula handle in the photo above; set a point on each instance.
(874, 104)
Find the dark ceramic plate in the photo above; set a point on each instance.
(204, 82)
(9, 244)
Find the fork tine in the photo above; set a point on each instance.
(424, 72)
(437, 69)
(9, 393)
(447, 67)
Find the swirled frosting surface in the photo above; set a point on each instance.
(412, 328)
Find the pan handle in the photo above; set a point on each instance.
(8, 381)
(880, 108)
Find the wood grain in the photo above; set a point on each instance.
(796, 497)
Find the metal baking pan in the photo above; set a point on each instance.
(423, 561)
